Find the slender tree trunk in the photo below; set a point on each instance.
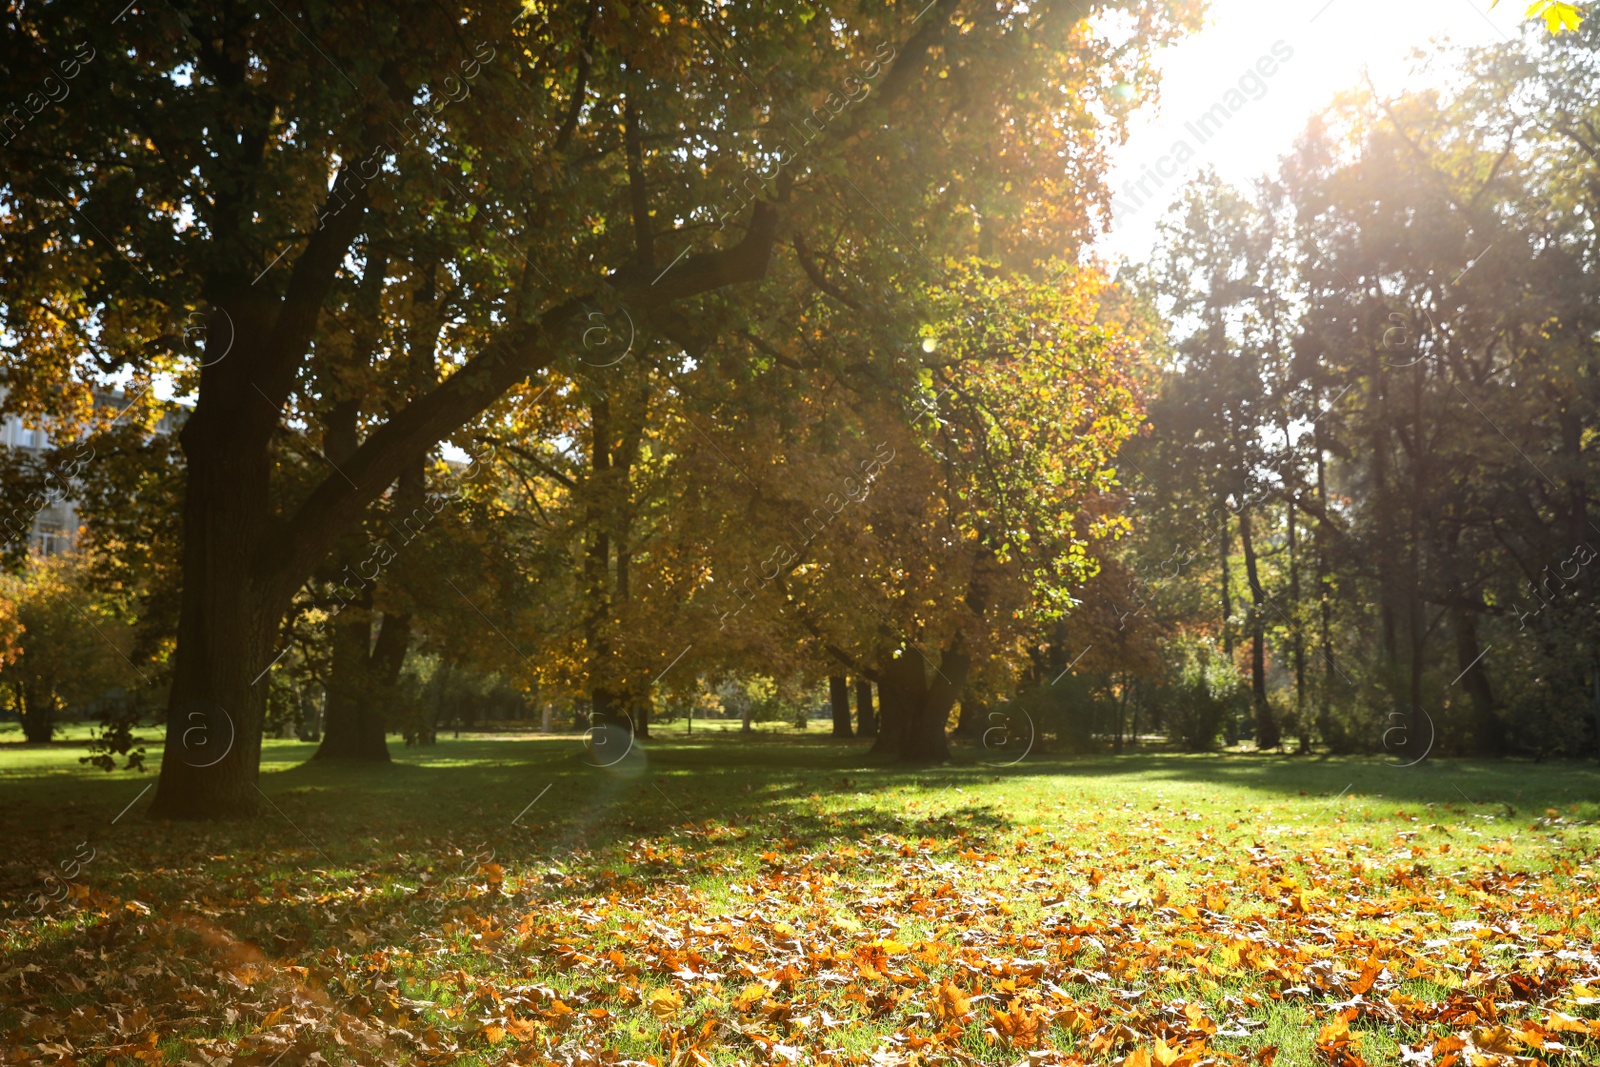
(1416, 609)
(1267, 736)
(1118, 742)
(839, 698)
(1297, 634)
(866, 718)
(1133, 729)
(1224, 548)
(639, 713)
(1324, 600)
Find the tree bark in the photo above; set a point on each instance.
(228, 620)
(37, 716)
(866, 718)
(970, 722)
(1267, 736)
(1297, 634)
(1324, 599)
(1488, 732)
(1224, 547)
(914, 710)
(839, 698)
(352, 730)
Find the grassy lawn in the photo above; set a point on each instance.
(784, 899)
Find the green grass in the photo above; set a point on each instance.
(425, 912)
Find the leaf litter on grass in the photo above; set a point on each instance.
(1146, 940)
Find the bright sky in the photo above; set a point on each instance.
(1331, 42)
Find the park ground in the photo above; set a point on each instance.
(785, 899)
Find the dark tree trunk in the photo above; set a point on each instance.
(866, 718)
(1267, 736)
(1416, 630)
(914, 710)
(1297, 634)
(605, 709)
(639, 714)
(1324, 601)
(228, 620)
(353, 727)
(1118, 742)
(839, 698)
(1225, 546)
(1488, 732)
(1133, 729)
(38, 716)
(1572, 432)
(363, 673)
(970, 721)
(362, 686)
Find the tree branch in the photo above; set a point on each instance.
(814, 272)
(519, 351)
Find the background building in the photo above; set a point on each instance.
(55, 526)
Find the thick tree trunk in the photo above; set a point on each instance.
(362, 687)
(38, 716)
(893, 712)
(866, 718)
(839, 698)
(353, 727)
(970, 721)
(1488, 732)
(226, 627)
(1267, 736)
(914, 710)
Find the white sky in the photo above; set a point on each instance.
(1333, 40)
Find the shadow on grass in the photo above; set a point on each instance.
(534, 799)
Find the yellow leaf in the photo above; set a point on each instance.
(664, 1003)
(1559, 16)
(750, 996)
(1137, 1058)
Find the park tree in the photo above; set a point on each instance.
(233, 168)
(67, 646)
(1400, 381)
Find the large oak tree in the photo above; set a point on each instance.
(220, 174)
